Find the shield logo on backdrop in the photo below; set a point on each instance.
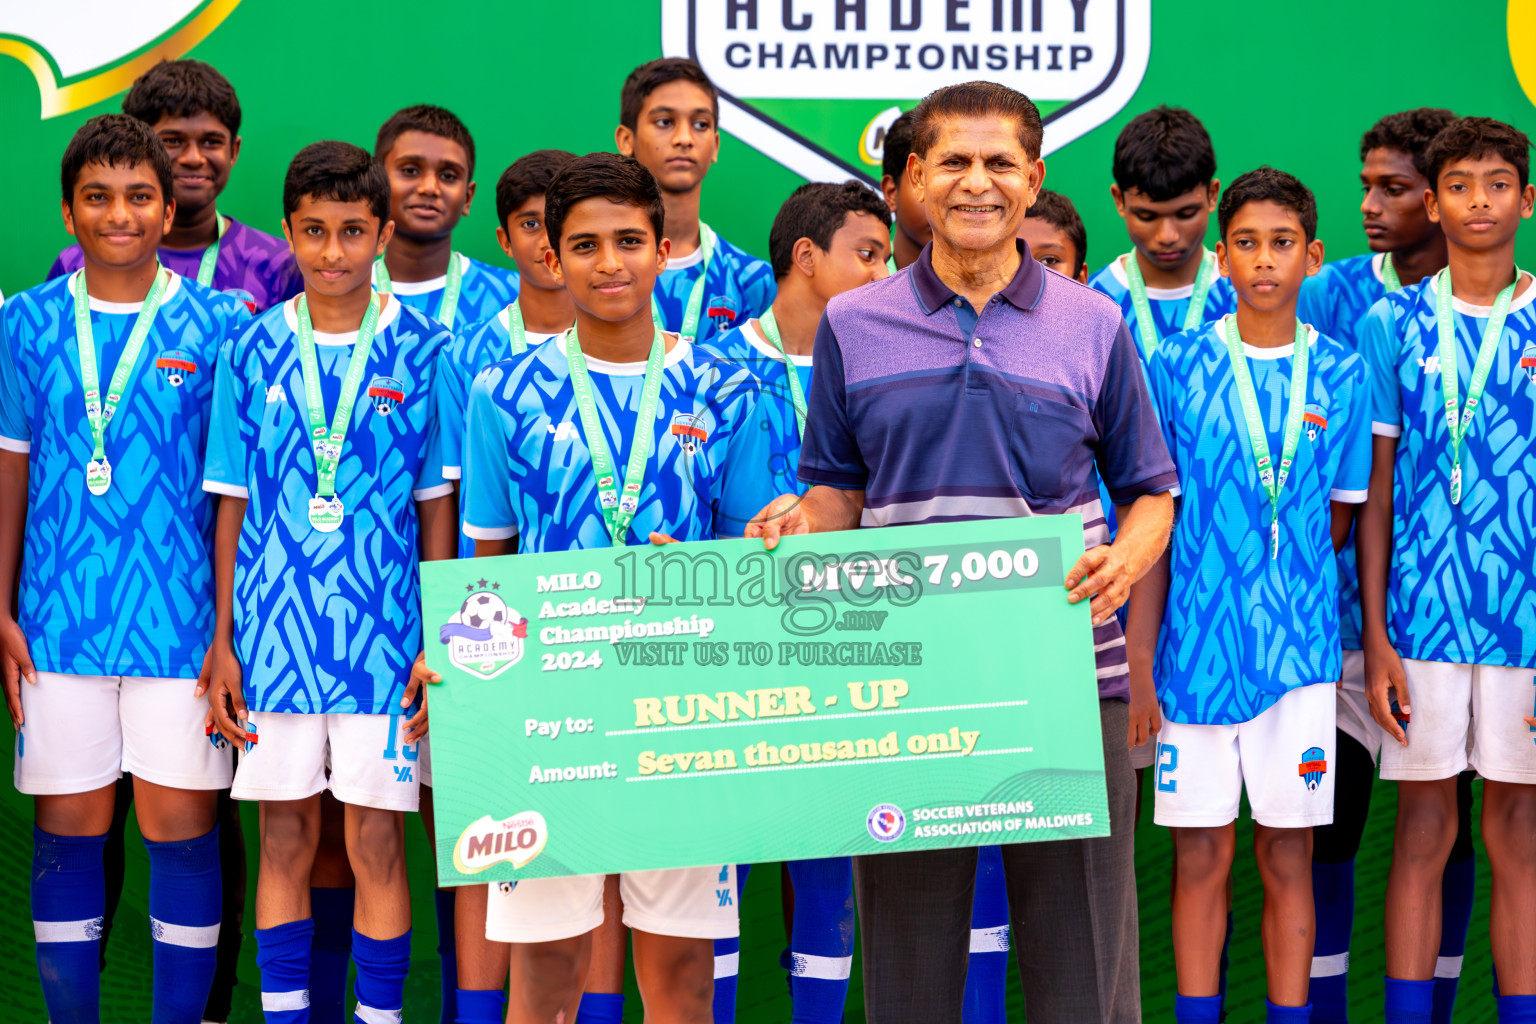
(80, 61)
(811, 83)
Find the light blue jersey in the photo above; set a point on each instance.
(328, 622)
(1462, 587)
(483, 291)
(1168, 305)
(528, 471)
(120, 584)
(1241, 629)
(739, 286)
(1334, 301)
(746, 346)
(477, 347)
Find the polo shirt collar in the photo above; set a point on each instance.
(1023, 292)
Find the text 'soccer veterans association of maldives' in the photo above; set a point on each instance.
(849, 693)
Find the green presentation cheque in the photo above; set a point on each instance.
(878, 690)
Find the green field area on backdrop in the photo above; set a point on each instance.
(528, 76)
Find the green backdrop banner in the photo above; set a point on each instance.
(850, 693)
(808, 88)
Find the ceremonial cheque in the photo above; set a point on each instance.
(692, 536)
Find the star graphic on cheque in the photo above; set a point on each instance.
(483, 583)
(495, 586)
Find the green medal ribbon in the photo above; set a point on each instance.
(796, 389)
(325, 510)
(695, 307)
(1257, 434)
(1193, 316)
(618, 511)
(99, 412)
(515, 328)
(1458, 424)
(1389, 276)
(211, 254)
(450, 305)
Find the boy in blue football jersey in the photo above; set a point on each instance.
(1446, 552)
(105, 394)
(541, 310)
(825, 240)
(1268, 423)
(1165, 189)
(1406, 247)
(195, 112)
(324, 443)
(537, 473)
(669, 120)
(430, 158)
(1057, 238)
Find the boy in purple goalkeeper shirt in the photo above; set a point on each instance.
(195, 112)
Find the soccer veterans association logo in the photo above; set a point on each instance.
(1315, 418)
(484, 637)
(80, 61)
(175, 366)
(386, 394)
(1314, 765)
(811, 83)
(1528, 364)
(690, 432)
(886, 823)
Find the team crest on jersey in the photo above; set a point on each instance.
(1314, 419)
(244, 296)
(215, 737)
(1314, 765)
(386, 394)
(175, 366)
(690, 431)
(815, 85)
(722, 310)
(250, 737)
(885, 823)
(1528, 364)
(484, 637)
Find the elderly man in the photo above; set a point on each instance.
(975, 385)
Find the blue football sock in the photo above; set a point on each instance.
(1457, 893)
(381, 968)
(599, 1008)
(1409, 1002)
(332, 954)
(447, 956)
(1287, 1014)
(185, 902)
(1517, 1009)
(282, 955)
(821, 939)
(69, 900)
(1333, 894)
(477, 1006)
(1196, 1009)
(986, 978)
(727, 965)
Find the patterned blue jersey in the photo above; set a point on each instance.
(1241, 629)
(746, 346)
(328, 622)
(477, 347)
(738, 287)
(484, 290)
(1462, 587)
(1334, 300)
(120, 584)
(528, 472)
(1169, 305)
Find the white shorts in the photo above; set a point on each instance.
(1285, 758)
(84, 732)
(424, 763)
(1354, 712)
(358, 757)
(690, 903)
(1465, 714)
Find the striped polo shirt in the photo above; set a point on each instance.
(942, 415)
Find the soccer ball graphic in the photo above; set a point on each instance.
(175, 378)
(484, 611)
